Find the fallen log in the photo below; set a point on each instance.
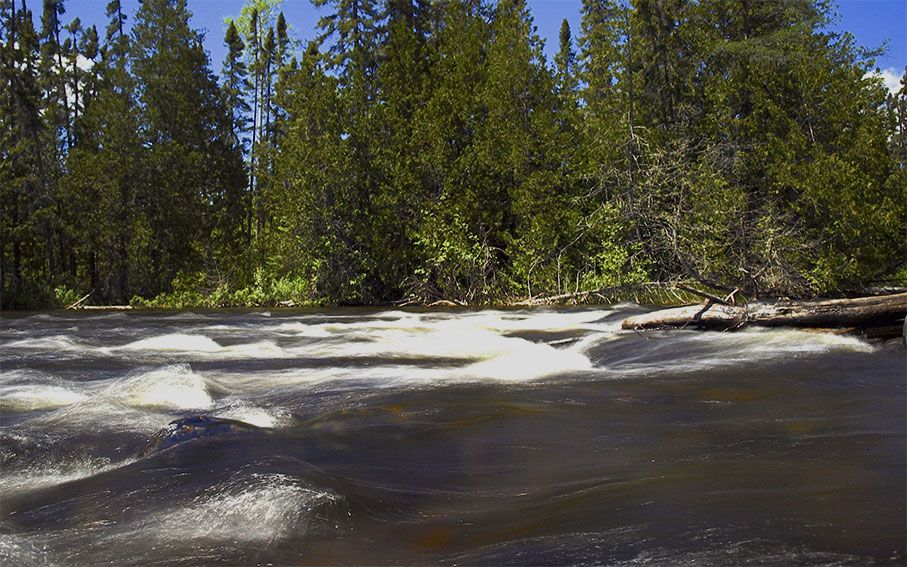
(600, 293)
(707, 295)
(446, 303)
(706, 316)
(79, 302)
(861, 312)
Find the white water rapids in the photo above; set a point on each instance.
(80, 394)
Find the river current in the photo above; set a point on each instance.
(458, 438)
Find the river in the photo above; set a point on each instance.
(459, 438)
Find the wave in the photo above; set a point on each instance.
(203, 347)
(259, 508)
(174, 342)
(42, 474)
(681, 351)
(54, 343)
(22, 549)
(525, 360)
(171, 387)
(252, 414)
(26, 397)
(29, 390)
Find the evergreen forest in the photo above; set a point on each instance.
(420, 150)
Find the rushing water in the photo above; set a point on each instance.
(489, 437)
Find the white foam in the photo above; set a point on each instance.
(303, 329)
(262, 508)
(27, 397)
(715, 350)
(529, 361)
(390, 322)
(203, 347)
(793, 340)
(384, 350)
(170, 387)
(133, 402)
(56, 343)
(260, 349)
(476, 340)
(254, 415)
(758, 344)
(49, 474)
(23, 549)
(175, 342)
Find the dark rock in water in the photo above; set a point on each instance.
(194, 427)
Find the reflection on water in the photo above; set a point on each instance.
(489, 437)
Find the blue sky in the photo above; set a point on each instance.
(872, 22)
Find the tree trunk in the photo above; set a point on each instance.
(861, 312)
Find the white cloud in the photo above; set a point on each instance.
(84, 63)
(890, 77)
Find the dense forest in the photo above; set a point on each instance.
(427, 149)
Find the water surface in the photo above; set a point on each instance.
(488, 437)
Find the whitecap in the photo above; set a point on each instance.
(40, 475)
(526, 360)
(175, 342)
(260, 349)
(786, 339)
(170, 387)
(252, 414)
(303, 329)
(55, 343)
(261, 508)
(23, 549)
(27, 397)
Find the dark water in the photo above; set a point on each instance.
(543, 437)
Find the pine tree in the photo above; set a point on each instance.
(105, 172)
(26, 261)
(351, 34)
(404, 88)
(235, 85)
(191, 155)
(308, 230)
(281, 66)
(52, 70)
(606, 68)
(452, 260)
(565, 60)
(116, 39)
(897, 109)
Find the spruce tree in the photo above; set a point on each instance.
(105, 174)
(26, 271)
(191, 155)
(235, 85)
(404, 88)
(565, 60)
(453, 261)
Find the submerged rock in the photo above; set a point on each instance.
(194, 427)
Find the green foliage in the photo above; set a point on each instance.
(65, 296)
(193, 290)
(615, 262)
(427, 150)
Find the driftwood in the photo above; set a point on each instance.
(79, 302)
(600, 293)
(446, 303)
(729, 300)
(862, 312)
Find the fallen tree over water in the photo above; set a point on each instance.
(858, 313)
